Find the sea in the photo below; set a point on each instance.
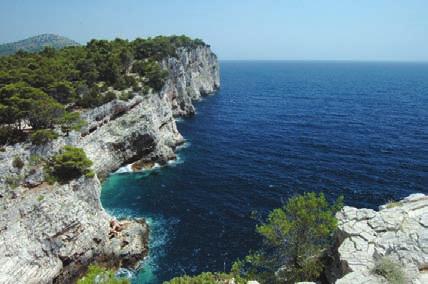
(276, 129)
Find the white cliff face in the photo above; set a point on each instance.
(193, 74)
(399, 231)
(50, 233)
(52, 229)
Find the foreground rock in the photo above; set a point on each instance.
(398, 231)
(51, 233)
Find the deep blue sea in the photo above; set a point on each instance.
(276, 129)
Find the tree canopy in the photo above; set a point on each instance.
(36, 89)
(296, 238)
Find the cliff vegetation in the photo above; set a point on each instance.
(45, 90)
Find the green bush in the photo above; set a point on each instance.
(43, 136)
(17, 163)
(70, 163)
(205, 278)
(35, 160)
(71, 121)
(295, 238)
(126, 96)
(390, 270)
(13, 181)
(109, 96)
(100, 275)
(11, 135)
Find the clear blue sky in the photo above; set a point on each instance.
(238, 29)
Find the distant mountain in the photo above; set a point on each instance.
(36, 43)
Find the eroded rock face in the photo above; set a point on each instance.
(51, 230)
(50, 233)
(398, 231)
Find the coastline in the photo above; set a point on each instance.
(74, 228)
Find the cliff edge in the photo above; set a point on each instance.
(397, 232)
(50, 233)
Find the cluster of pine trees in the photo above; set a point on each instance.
(39, 91)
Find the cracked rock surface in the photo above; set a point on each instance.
(397, 231)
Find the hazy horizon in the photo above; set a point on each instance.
(365, 30)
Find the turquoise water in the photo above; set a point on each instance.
(276, 129)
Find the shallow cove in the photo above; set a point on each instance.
(276, 129)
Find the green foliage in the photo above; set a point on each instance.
(17, 163)
(63, 91)
(11, 135)
(36, 43)
(43, 136)
(100, 275)
(126, 96)
(71, 121)
(70, 163)
(152, 72)
(296, 237)
(161, 46)
(13, 181)
(36, 88)
(40, 198)
(20, 103)
(205, 278)
(95, 98)
(390, 270)
(35, 160)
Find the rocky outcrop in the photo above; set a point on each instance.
(193, 73)
(398, 231)
(50, 233)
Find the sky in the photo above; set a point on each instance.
(381, 30)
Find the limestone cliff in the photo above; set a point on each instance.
(398, 231)
(49, 233)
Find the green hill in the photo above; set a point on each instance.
(36, 43)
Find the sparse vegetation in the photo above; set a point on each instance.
(206, 278)
(392, 204)
(390, 270)
(70, 163)
(13, 181)
(18, 163)
(100, 275)
(126, 96)
(43, 136)
(35, 160)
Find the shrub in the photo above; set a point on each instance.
(35, 160)
(126, 96)
(17, 162)
(205, 278)
(296, 238)
(100, 275)
(13, 181)
(390, 270)
(70, 163)
(71, 121)
(109, 96)
(10, 135)
(43, 136)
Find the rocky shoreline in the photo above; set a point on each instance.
(50, 233)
